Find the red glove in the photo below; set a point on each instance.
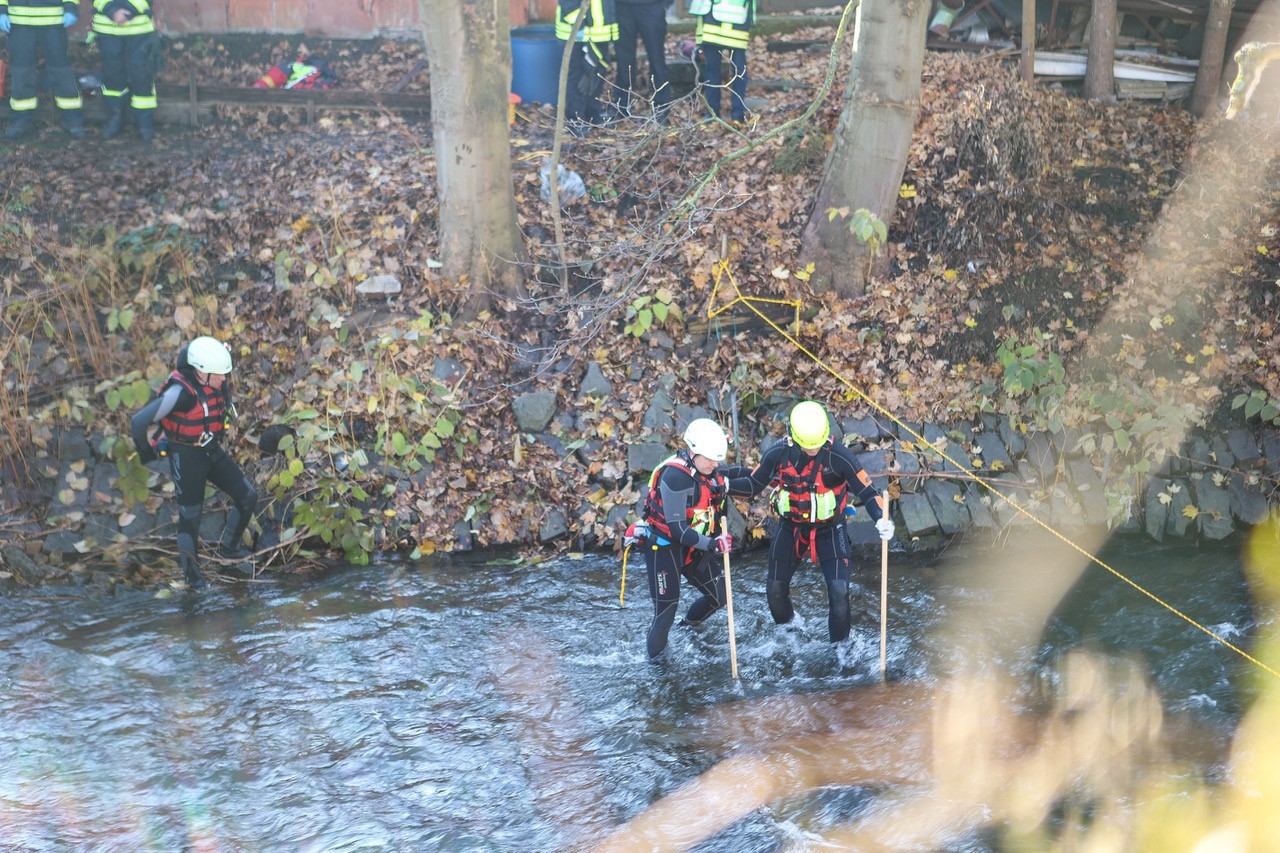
(722, 543)
(637, 532)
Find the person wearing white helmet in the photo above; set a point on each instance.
(815, 479)
(192, 409)
(685, 504)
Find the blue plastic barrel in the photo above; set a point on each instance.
(535, 63)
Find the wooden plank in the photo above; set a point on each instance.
(314, 99)
(408, 78)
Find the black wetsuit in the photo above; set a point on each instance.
(825, 543)
(192, 467)
(686, 552)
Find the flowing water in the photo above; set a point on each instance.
(463, 705)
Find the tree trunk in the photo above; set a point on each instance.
(1212, 55)
(1029, 40)
(469, 52)
(869, 153)
(1100, 72)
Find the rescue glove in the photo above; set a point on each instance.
(591, 83)
(722, 543)
(4, 22)
(69, 19)
(885, 528)
(637, 532)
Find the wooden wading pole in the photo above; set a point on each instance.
(884, 593)
(728, 600)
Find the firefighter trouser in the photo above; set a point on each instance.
(648, 23)
(711, 54)
(24, 43)
(127, 68)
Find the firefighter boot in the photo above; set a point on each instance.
(146, 127)
(115, 116)
(19, 126)
(73, 121)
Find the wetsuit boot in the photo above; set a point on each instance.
(232, 545)
(190, 565)
(188, 534)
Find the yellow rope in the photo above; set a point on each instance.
(723, 265)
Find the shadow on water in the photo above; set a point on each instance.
(460, 705)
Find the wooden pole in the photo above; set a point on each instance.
(1100, 70)
(884, 601)
(1028, 40)
(728, 600)
(1213, 52)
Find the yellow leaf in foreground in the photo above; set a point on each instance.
(1190, 511)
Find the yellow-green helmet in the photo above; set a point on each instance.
(809, 425)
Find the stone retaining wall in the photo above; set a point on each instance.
(1219, 484)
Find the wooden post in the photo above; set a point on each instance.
(1028, 40)
(1212, 55)
(884, 604)
(1100, 73)
(728, 599)
(192, 103)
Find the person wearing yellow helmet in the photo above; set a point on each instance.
(815, 480)
(192, 409)
(682, 514)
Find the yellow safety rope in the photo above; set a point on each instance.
(722, 268)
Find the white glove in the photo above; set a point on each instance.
(885, 528)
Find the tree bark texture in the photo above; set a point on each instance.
(468, 49)
(869, 152)
(1100, 71)
(1212, 57)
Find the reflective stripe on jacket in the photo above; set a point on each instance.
(38, 13)
(139, 24)
(601, 24)
(725, 22)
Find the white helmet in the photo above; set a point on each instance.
(209, 355)
(705, 438)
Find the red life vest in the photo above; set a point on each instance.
(804, 496)
(707, 505)
(201, 423)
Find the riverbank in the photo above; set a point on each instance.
(1071, 302)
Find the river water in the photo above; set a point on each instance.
(465, 705)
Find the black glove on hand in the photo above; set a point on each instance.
(591, 83)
